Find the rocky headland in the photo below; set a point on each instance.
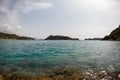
(114, 35)
(13, 37)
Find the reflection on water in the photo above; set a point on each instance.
(32, 57)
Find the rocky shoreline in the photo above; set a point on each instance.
(67, 74)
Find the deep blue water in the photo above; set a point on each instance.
(31, 57)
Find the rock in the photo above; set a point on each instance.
(119, 76)
(45, 78)
(1, 77)
(13, 77)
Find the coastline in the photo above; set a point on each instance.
(66, 74)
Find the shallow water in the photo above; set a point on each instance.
(39, 57)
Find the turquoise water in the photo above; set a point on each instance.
(38, 57)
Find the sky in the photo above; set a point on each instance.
(74, 18)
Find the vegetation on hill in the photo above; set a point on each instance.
(13, 36)
(114, 35)
(58, 37)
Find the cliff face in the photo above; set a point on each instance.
(114, 35)
(14, 37)
(58, 37)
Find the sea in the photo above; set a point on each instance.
(36, 57)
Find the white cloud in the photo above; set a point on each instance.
(9, 28)
(28, 6)
(9, 12)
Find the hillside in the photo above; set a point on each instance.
(13, 36)
(114, 35)
(59, 37)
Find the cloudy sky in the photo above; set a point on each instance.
(74, 18)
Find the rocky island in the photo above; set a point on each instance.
(13, 36)
(114, 35)
(59, 37)
(93, 38)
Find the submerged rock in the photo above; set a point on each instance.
(68, 74)
(1, 77)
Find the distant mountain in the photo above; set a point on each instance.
(94, 39)
(13, 36)
(59, 37)
(114, 35)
